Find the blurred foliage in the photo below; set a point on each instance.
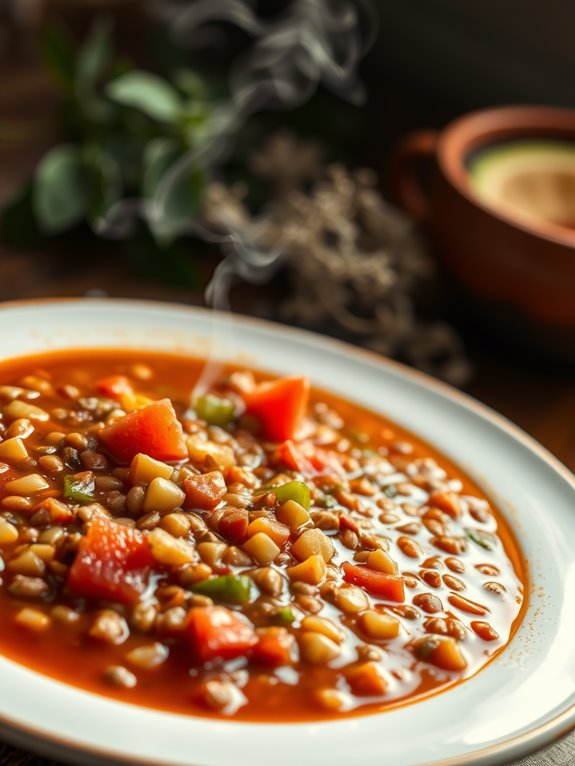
(125, 129)
(130, 142)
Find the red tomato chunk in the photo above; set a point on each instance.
(114, 386)
(217, 632)
(279, 406)
(205, 490)
(153, 430)
(113, 563)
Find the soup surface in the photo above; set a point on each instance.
(258, 550)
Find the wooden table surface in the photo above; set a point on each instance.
(538, 398)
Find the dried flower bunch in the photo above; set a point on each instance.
(356, 262)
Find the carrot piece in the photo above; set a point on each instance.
(113, 563)
(153, 430)
(442, 651)
(279, 406)
(205, 490)
(215, 631)
(274, 647)
(366, 680)
(386, 586)
(114, 386)
(448, 655)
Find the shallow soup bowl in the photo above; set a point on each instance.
(521, 701)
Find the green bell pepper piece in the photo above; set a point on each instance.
(293, 490)
(284, 616)
(79, 491)
(215, 411)
(235, 589)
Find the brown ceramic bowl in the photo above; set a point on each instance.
(524, 272)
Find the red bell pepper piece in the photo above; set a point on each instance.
(205, 490)
(113, 563)
(279, 406)
(217, 632)
(386, 586)
(153, 430)
(114, 386)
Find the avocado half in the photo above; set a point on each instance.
(532, 180)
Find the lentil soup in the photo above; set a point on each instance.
(261, 550)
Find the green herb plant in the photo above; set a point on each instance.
(125, 130)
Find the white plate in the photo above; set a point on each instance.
(521, 701)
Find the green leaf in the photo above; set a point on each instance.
(159, 155)
(190, 83)
(174, 203)
(61, 194)
(95, 55)
(148, 93)
(59, 54)
(106, 181)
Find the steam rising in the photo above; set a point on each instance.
(311, 42)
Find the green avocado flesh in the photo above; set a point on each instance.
(530, 180)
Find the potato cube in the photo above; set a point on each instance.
(163, 496)
(27, 485)
(14, 450)
(292, 514)
(312, 542)
(312, 570)
(382, 562)
(261, 548)
(145, 469)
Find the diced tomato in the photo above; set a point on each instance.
(274, 647)
(215, 631)
(386, 586)
(153, 430)
(292, 457)
(323, 459)
(114, 386)
(113, 563)
(59, 512)
(279, 406)
(205, 490)
(233, 525)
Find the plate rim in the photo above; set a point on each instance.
(542, 735)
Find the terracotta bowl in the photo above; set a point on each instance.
(524, 273)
